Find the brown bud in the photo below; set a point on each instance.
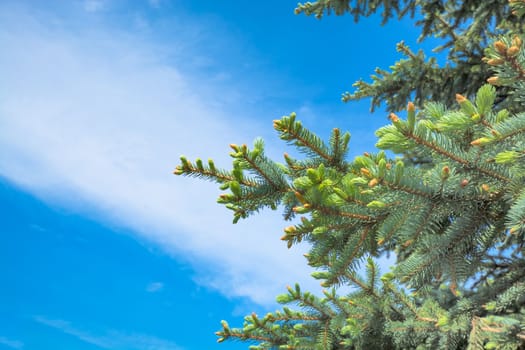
(481, 141)
(373, 182)
(394, 118)
(446, 170)
(388, 166)
(411, 107)
(485, 187)
(300, 197)
(460, 98)
(365, 171)
(513, 51)
(463, 183)
(500, 47)
(493, 80)
(495, 61)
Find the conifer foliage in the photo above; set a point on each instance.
(456, 224)
(465, 27)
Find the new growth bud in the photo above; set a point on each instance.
(365, 172)
(394, 118)
(493, 80)
(411, 116)
(373, 183)
(290, 229)
(445, 172)
(481, 141)
(376, 204)
(300, 197)
(460, 98)
(500, 47)
(495, 61)
(513, 51)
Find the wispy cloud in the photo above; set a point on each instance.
(65, 327)
(154, 287)
(15, 344)
(110, 339)
(95, 119)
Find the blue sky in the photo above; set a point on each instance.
(101, 246)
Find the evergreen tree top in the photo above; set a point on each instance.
(456, 223)
(465, 29)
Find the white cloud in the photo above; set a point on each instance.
(95, 120)
(110, 339)
(154, 287)
(15, 344)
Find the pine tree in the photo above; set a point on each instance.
(456, 224)
(465, 27)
